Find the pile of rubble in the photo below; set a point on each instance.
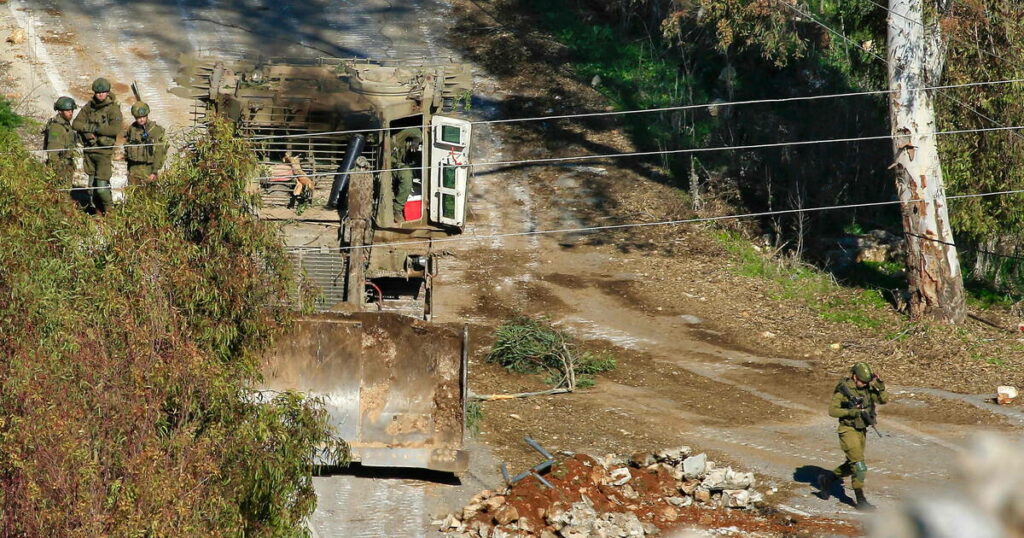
(610, 496)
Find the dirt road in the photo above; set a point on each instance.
(679, 381)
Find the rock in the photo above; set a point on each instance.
(526, 526)
(547, 534)
(471, 510)
(756, 497)
(688, 487)
(630, 493)
(598, 476)
(679, 502)
(556, 514)
(480, 529)
(642, 459)
(695, 467)
(17, 37)
(451, 522)
(667, 513)
(675, 473)
(768, 335)
(690, 320)
(611, 460)
(714, 479)
(619, 476)
(736, 480)
(494, 503)
(500, 533)
(650, 529)
(1006, 395)
(735, 498)
(673, 456)
(479, 498)
(702, 495)
(506, 514)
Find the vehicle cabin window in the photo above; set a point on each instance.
(451, 134)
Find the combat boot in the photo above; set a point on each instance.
(825, 483)
(862, 503)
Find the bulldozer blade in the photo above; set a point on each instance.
(394, 387)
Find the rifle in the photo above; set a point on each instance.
(866, 413)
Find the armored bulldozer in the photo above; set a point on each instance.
(364, 167)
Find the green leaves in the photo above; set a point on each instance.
(130, 346)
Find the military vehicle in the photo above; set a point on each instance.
(329, 134)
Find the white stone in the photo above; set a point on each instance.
(679, 502)
(735, 498)
(694, 467)
(619, 476)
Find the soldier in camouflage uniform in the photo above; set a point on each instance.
(853, 403)
(60, 141)
(405, 153)
(145, 147)
(98, 123)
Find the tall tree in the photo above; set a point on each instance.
(916, 59)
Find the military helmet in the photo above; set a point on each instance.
(862, 371)
(140, 109)
(65, 103)
(100, 85)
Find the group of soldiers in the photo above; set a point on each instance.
(95, 129)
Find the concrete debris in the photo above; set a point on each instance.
(1006, 395)
(612, 496)
(696, 466)
(619, 476)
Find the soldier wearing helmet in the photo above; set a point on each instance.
(98, 123)
(59, 140)
(853, 403)
(145, 147)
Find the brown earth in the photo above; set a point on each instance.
(750, 380)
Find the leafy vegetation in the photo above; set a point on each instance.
(532, 346)
(131, 347)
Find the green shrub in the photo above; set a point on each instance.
(131, 346)
(531, 346)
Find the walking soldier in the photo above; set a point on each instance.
(853, 403)
(98, 123)
(145, 148)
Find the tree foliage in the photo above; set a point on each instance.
(129, 346)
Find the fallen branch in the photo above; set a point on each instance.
(494, 397)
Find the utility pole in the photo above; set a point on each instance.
(916, 58)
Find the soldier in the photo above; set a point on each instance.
(145, 148)
(405, 153)
(853, 403)
(59, 140)
(98, 123)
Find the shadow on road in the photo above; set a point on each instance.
(392, 473)
(808, 474)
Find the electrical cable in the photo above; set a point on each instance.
(675, 222)
(776, 100)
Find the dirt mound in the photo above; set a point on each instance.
(642, 495)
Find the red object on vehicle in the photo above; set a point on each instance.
(413, 209)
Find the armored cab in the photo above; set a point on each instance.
(364, 166)
(344, 125)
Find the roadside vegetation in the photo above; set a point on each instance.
(532, 346)
(131, 346)
(658, 53)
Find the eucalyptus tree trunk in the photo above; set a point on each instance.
(916, 55)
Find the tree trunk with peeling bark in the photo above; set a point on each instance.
(916, 56)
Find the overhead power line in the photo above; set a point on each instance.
(610, 227)
(776, 100)
(577, 158)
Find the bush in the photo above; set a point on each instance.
(131, 346)
(533, 346)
